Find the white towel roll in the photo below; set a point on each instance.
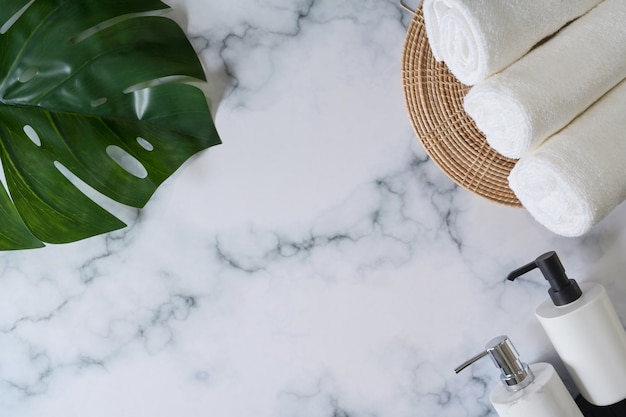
(541, 93)
(477, 38)
(577, 176)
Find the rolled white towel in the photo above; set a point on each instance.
(477, 38)
(538, 95)
(578, 176)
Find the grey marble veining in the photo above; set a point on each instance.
(317, 263)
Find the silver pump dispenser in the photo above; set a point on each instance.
(515, 374)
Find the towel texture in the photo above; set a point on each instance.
(578, 176)
(538, 95)
(477, 38)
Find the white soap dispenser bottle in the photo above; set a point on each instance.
(585, 331)
(526, 391)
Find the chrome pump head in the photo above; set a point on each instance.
(514, 374)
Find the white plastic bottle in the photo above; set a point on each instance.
(585, 331)
(534, 390)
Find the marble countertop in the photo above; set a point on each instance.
(316, 264)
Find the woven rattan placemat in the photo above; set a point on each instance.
(434, 99)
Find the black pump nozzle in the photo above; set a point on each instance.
(562, 290)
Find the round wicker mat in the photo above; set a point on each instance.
(434, 99)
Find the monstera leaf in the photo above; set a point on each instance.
(93, 88)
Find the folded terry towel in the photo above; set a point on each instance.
(546, 89)
(575, 178)
(477, 38)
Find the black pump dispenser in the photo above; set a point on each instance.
(562, 290)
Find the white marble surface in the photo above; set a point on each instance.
(316, 263)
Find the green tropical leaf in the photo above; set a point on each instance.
(84, 86)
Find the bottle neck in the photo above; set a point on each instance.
(519, 380)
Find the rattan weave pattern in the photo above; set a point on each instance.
(434, 100)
